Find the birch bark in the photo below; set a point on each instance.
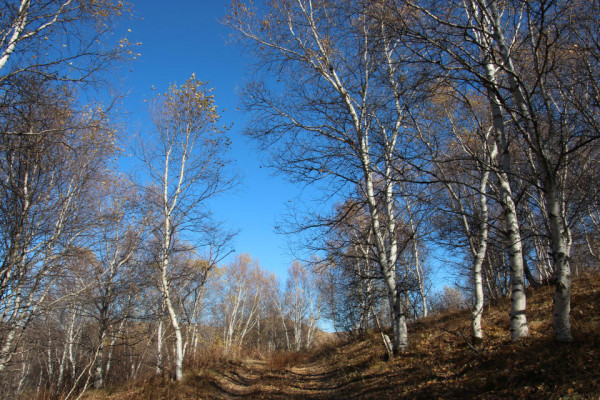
(488, 29)
(304, 33)
(187, 166)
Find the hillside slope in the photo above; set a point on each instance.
(439, 364)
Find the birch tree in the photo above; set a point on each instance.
(340, 116)
(60, 41)
(46, 185)
(186, 167)
(245, 289)
(118, 237)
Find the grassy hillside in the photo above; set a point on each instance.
(440, 363)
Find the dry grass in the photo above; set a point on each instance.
(284, 359)
(439, 364)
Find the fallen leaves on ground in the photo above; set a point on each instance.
(440, 364)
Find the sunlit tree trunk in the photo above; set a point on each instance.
(160, 363)
(518, 319)
(503, 163)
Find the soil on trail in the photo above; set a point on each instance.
(256, 379)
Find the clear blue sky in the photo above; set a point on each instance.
(181, 37)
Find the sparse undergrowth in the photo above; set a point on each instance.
(441, 362)
(284, 359)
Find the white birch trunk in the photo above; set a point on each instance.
(418, 268)
(279, 306)
(19, 26)
(168, 232)
(518, 319)
(490, 25)
(98, 375)
(479, 257)
(159, 348)
(560, 240)
(174, 323)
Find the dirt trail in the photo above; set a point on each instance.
(255, 379)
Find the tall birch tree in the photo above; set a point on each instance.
(339, 116)
(46, 186)
(186, 167)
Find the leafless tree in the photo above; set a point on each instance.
(341, 115)
(303, 303)
(60, 42)
(245, 288)
(186, 166)
(47, 182)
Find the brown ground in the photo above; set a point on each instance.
(439, 364)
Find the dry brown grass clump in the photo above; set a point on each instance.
(284, 359)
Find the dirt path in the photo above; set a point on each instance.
(255, 379)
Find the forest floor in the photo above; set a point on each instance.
(441, 363)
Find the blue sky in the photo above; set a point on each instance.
(181, 37)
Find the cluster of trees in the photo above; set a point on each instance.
(55, 153)
(256, 315)
(94, 266)
(469, 124)
(105, 277)
(106, 320)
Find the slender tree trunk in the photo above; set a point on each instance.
(26, 365)
(50, 358)
(164, 281)
(518, 319)
(418, 270)
(397, 317)
(160, 364)
(387, 247)
(98, 375)
(560, 254)
(385, 338)
(113, 340)
(476, 331)
(480, 251)
(174, 323)
(63, 360)
(283, 325)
